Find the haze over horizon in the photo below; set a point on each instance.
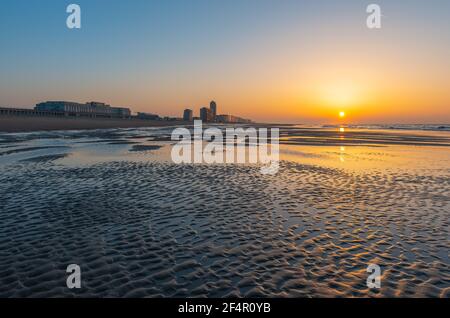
(279, 61)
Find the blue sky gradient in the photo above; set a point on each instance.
(163, 56)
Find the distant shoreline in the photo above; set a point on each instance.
(11, 124)
(21, 123)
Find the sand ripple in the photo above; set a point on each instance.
(156, 229)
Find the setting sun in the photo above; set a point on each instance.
(342, 114)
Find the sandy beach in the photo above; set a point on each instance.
(29, 124)
(253, 154)
(141, 226)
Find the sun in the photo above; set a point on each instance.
(341, 114)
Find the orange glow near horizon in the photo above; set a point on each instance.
(367, 87)
(303, 71)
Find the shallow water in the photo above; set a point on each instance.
(139, 225)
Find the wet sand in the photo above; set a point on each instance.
(141, 226)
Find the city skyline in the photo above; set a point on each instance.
(295, 62)
(96, 109)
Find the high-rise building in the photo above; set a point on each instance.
(206, 114)
(187, 115)
(213, 108)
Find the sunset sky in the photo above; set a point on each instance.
(279, 60)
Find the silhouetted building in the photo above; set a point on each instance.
(148, 116)
(213, 108)
(91, 109)
(206, 114)
(223, 118)
(231, 119)
(187, 115)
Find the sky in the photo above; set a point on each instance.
(287, 61)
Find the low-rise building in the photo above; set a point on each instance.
(90, 109)
(231, 119)
(148, 116)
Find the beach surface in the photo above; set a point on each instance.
(138, 225)
(34, 123)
